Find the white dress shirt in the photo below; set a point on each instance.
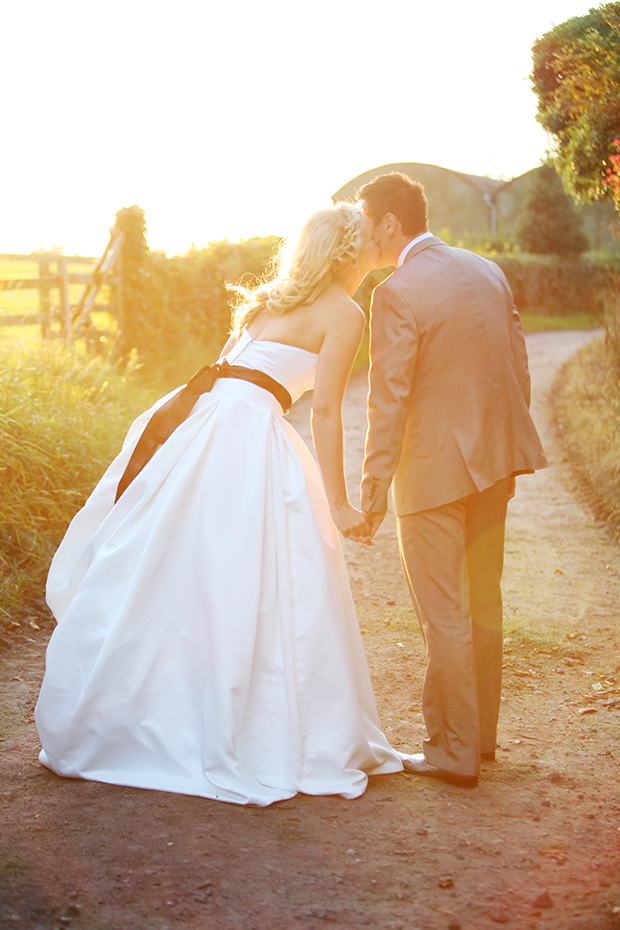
(405, 251)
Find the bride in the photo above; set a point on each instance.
(207, 641)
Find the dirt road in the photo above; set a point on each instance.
(537, 845)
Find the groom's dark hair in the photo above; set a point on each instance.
(396, 193)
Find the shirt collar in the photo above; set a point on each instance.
(405, 252)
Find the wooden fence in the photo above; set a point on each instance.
(63, 318)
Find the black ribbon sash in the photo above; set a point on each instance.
(171, 414)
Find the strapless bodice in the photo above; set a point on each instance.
(292, 367)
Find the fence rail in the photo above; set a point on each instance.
(47, 257)
(74, 318)
(50, 280)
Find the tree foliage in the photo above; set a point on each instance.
(576, 77)
(611, 181)
(141, 297)
(549, 223)
(175, 312)
(195, 318)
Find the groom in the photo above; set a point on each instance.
(449, 428)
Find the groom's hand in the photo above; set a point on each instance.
(374, 521)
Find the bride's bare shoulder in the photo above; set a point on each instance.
(334, 297)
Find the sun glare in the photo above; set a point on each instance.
(233, 122)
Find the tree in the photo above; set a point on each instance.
(549, 223)
(611, 181)
(576, 77)
(141, 298)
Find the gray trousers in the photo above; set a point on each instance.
(453, 557)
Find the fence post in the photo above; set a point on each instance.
(44, 299)
(116, 293)
(65, 305)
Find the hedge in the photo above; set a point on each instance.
(557, 286)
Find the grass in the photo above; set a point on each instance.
(588, 408)
(21, 338)
(27, 301)
(540, 323)
(64, 418)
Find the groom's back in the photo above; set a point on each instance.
(463, 310)
(468, 423)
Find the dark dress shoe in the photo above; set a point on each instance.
(418, 765)
(487, 756)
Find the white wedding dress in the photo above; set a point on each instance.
(207, 641)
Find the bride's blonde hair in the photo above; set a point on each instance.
(305, 265)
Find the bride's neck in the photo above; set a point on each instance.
(349, 281)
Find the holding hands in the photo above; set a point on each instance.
(352, 523)
(374, 521)
(355, 524)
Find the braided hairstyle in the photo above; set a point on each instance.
(304, 266)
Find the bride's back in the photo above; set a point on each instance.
(305, 326)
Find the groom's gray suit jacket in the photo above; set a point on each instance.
(449, 383)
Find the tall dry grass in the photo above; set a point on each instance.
(63, 418)
(588, 406)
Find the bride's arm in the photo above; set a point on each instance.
(336, 357)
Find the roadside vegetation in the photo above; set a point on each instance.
(588, 409)
(576, 79)
(64, 416)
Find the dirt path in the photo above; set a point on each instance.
(537, 845)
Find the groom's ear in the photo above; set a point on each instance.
(391, 225)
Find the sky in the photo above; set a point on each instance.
(235, 119)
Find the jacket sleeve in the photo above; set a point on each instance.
(519, 353)
(394, 344)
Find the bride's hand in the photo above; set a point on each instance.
(352, 523)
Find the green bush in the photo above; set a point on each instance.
(558, 286)
(176, 311)
(64, 419)
(197, 313)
